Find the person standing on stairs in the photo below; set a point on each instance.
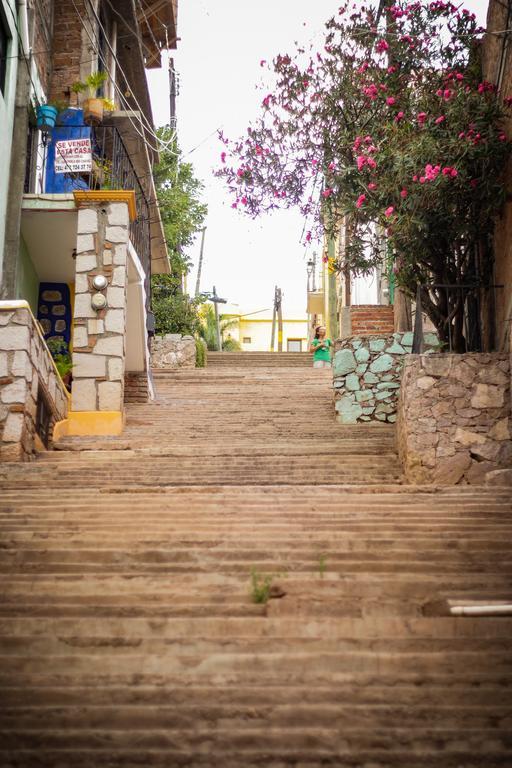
(321, 348)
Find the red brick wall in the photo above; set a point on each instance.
(368, 319)
(67, 47)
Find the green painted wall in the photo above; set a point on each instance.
(7, 102)
(27, 278)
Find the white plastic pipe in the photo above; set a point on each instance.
(504, 609)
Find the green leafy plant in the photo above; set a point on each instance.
(91, 85)
(60, 353)
(200, 353)
(103, 172)
(261, 585)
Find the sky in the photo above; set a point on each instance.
(218, 63)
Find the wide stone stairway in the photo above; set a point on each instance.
(129, 631)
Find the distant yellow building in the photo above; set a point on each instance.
(253, 331)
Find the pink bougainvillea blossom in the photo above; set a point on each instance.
(371, 91)
(360, 200)
(372, 186)
(421, 117)
(243, 200)
(308, 237)
(327, 192)
(389, 211)
(399, 116)
(440, 119)
(382, 46)
(361, 162)
(262, 63)
(371, 162)
(223, 157)
(404, 193)
(390, 101)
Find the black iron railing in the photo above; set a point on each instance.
(108, 166)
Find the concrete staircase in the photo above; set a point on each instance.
(260, 359)
(128, 636)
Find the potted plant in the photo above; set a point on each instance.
(93, 105)
(46, 114)
(62, 359)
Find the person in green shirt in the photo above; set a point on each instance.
(321, 348)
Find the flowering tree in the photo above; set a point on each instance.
(390, 128)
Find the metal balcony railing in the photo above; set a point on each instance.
(105, 164)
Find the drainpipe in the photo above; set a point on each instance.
(18, 161)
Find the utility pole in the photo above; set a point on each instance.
(274, 317)
(216, 300)
(200, 265)
(172, 95)
(279, 321)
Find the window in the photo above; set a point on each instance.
(294, 345)
(5, 39)
(247, 340)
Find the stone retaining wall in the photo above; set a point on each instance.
(366, 375)
(454, 417)
(27, 373)
(173, 351)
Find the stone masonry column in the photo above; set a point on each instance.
(99, 337)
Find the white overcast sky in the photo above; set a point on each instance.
(218, 61)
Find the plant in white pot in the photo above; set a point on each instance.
(93, 105)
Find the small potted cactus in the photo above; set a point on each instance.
(94, 105)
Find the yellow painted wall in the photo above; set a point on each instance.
(260, 333)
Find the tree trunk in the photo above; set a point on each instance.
(402, 311)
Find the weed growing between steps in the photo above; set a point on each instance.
(260, 586)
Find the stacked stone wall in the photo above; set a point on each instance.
(99, 337)
(454, 417)
(366, 375)
(26, 372)
(173, 351)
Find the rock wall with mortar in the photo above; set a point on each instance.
(99, 336)
(26, 373)
(366, 375)
(454, 417)
(173, 351)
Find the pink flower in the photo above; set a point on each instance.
(361, 162)
(240, 173)
(439, 92)
(371, 162)
(447, 94)
(371, 91)
(314, 162)
(459, 76)
(502, 137)
(357, 143)
(360, 200)
(332, 166)
(399, 116)
(223, 157)
(389, 211)
(391, 70)
(259, 150)
(415, 178)
(308, 237)
(262, 63)
(403, 193)
(440, 120)
(372, 186)
(447, 170)
(267, 100)
(243, 200)
(422, 116)
(234, 205)
(390, 101)
(422, 179)
(454, 173)
(462, 135)
(327, 192)
(382, 46)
